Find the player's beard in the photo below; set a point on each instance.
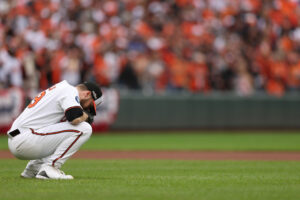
(84, 103)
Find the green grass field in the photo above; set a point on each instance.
(166, 179)
(155, 180)
(223, 141)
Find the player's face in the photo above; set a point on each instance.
(86, 101)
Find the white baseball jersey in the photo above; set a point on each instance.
(48, 107)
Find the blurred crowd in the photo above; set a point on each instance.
(201, 46)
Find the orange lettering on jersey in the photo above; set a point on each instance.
(37, 99)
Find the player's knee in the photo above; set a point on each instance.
(86, 128)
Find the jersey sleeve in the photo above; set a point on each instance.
(69, 99)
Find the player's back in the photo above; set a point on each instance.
(45, 109)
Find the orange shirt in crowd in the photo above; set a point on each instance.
(294, 76)
(286, 44)
(264, 65)
(275, 88)
(55, 65)
(144, 29)
(279, 70)
(100, 70)
(198, 77)
(182, 3)
(178, 73)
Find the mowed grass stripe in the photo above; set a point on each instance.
(187, 141)
(220, 141)
(155, 180)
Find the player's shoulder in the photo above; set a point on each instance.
(65, 84)
(65, 87)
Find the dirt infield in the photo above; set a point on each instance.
(180, 155)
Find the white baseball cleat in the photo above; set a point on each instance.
(49, 172)
(28, 173)
(31, 169)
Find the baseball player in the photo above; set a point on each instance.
(53, 127)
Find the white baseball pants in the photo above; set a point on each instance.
(52, 145)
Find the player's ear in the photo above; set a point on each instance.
(85, 94)
(89, 94)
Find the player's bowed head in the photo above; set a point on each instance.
(90, 96)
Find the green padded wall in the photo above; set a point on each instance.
(207, 112)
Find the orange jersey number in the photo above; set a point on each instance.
(39, 97)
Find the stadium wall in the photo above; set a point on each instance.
(173, 111)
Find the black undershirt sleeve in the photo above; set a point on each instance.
(73, 113)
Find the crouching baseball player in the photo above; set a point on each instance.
(53, 127)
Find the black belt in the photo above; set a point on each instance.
(14, 133)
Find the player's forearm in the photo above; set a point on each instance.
(79, 119)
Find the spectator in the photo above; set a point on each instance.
(10, 70)
(194, 45)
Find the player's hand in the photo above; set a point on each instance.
(90, 117)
